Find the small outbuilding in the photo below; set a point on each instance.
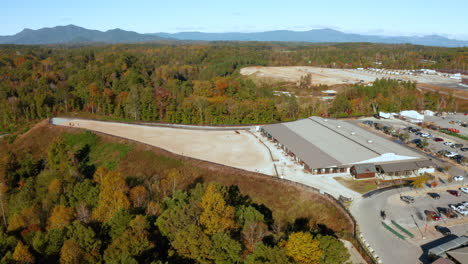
(363, 171)
(412, 115)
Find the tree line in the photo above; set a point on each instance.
(196, 83)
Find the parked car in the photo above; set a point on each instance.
(451, 154)
(448, 143)
(464, 149)
(432, 215)
(417, 141)
(448, 212)
(438, 139)
(443, 152)
(454, 193)
(434, 195)
(407, 199)
(458, 178)
(464, 189)
(461, 210)
(456, 146)
(433, 127)
(460, 159)
(443, 230)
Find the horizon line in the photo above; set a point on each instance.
(194, 30)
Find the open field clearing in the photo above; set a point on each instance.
(237, 149)
(329, 76)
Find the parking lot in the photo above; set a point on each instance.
(422, 138)
(449, 121)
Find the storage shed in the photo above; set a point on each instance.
(363, 171)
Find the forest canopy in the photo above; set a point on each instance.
(195, 83)
(66, 204)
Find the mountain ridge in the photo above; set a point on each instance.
(75, 34)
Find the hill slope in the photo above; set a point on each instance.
(75, 34)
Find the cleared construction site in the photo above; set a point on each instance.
(330, 76)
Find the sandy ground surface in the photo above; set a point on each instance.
(329, 76)
(241, 150)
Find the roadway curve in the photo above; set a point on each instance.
(387, 246)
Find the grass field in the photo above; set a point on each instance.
(360, 186)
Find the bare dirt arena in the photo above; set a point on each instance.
(241, 150)
(328, 76)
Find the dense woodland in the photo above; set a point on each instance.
(199, 83)
(82, 199)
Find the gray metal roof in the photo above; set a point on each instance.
(460, 255)
(365, 168)
(406, 165)
(329, 141)
(442, 249)
(306, 151)
(426, 164)
(400, 166)
(323, 143)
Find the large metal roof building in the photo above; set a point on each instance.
(321, 144)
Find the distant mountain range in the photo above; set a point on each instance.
(75, 34)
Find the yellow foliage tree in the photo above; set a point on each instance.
(60, 217)
(16, 222)
(420, 181)
(55, 186)
(216, 216)
(99, 174)
(303, 248)
(22, 254)
(173, 178)
(153, 208)
(71, 253)
(112, 197)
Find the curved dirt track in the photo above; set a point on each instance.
(236, 148)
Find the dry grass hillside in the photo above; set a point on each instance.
(287, 201)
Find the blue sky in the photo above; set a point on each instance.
(397, 17)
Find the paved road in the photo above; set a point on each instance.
(387, 246)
